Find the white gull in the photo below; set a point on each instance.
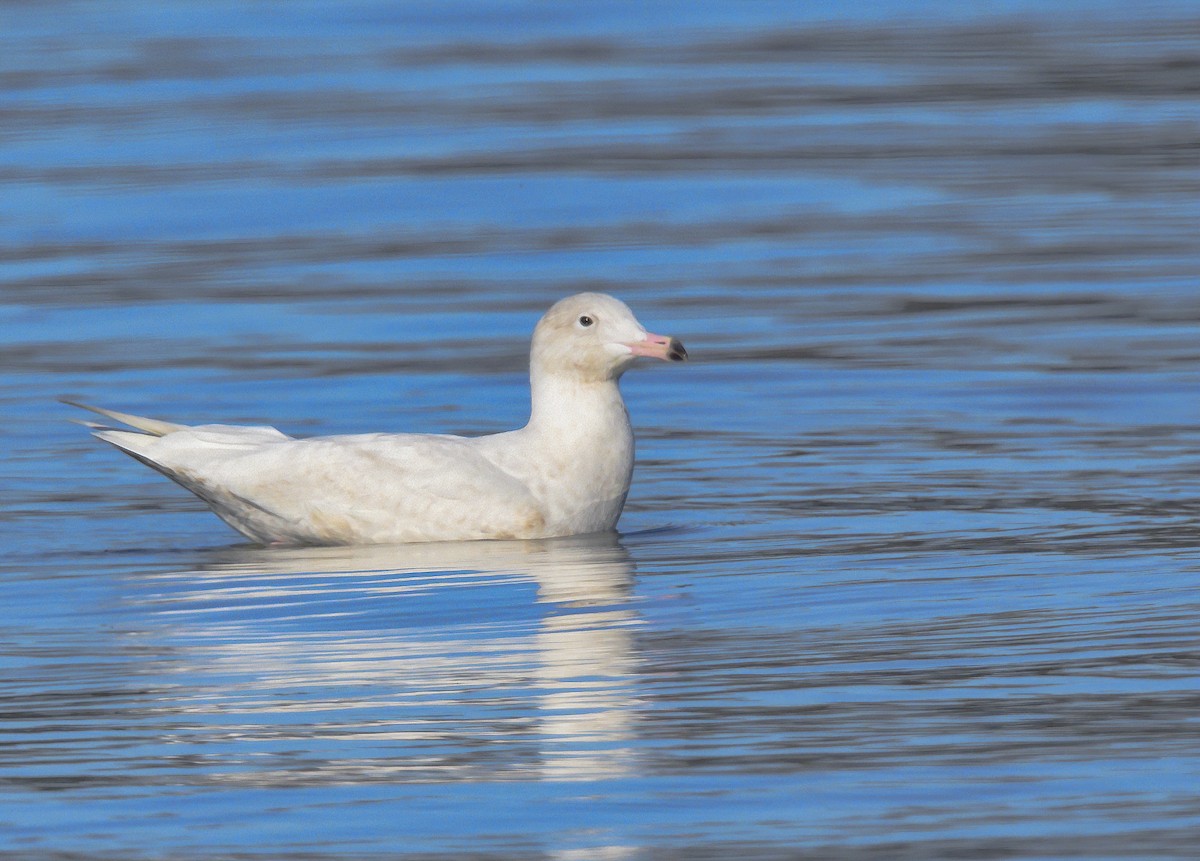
(566, 472)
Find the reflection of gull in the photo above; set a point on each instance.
(432, 662)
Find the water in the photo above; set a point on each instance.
(909, 568)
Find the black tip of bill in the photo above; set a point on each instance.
(676, 352)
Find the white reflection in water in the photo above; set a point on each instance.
(454, 661)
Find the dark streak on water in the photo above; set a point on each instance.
(909, 570)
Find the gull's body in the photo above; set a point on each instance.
(566, 472)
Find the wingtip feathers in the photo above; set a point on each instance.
(145, 425)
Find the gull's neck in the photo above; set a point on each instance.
(579, 447)
(572, 410)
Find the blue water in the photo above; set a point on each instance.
(909, 568)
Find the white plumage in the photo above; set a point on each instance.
(566, 472)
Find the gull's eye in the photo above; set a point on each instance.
(585, 320)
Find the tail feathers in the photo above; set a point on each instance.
(130, 441)
(245, 515)
(139, 447)
(154, 427)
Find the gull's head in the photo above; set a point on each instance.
(595, 337)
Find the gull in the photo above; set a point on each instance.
(566, 472)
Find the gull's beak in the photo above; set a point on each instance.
(658, 347)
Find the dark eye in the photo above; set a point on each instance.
(585, 320)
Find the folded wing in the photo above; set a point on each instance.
(371, 488)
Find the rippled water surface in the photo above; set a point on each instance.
(911, 562)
